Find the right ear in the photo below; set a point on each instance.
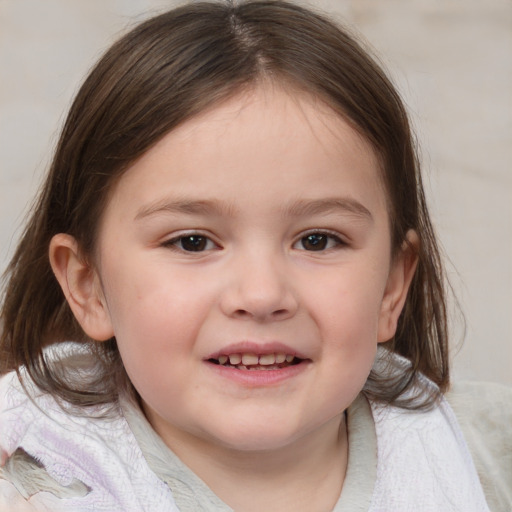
(81, 286)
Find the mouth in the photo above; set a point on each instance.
(251, 361)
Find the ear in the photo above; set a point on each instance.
(400, 277)
(81, 286)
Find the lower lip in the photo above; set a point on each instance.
(259, 378)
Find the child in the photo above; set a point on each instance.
(229, 295)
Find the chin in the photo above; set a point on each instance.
(256, 437)
(257, 444)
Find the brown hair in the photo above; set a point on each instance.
(160, 74)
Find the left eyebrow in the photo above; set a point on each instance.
(304, 207)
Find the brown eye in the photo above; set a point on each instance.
(314, 242)
(318, 242)
(193, 243)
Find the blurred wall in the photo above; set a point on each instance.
(452, 61)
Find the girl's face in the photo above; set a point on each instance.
(246, 272)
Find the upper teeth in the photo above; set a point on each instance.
(249, 359)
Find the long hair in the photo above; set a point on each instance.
(164, 72)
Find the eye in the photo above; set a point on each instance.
(191, 243)
(318, 242)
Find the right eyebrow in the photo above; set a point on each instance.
(189, 207)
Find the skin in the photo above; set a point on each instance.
(249, 181)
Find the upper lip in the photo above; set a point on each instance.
(251, 347)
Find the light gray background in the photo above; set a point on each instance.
(452, 61)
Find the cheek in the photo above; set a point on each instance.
(347, 314)
(155, 317)
(349, 301)
(142, 294)
(156, 334)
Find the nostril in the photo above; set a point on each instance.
(278, 313)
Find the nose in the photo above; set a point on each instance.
(260, 289)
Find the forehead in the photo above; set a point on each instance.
(262, 143)
(283, 112)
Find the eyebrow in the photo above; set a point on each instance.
(185, 206)
(304, 207)
(299, 208)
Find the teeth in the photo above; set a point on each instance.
(235, 359)
(245, 360)
(249, 359)
(280, 358)
(267, 359)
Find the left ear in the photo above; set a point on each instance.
(400, 277)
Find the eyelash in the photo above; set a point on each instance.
(324, 241)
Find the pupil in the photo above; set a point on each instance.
(314, 242)
(193, 243)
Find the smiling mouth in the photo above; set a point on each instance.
(256, 362)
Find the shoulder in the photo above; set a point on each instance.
(423, 461)
(484, 413)
(70, 451)
(17, 414)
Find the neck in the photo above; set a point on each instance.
(306, 475)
